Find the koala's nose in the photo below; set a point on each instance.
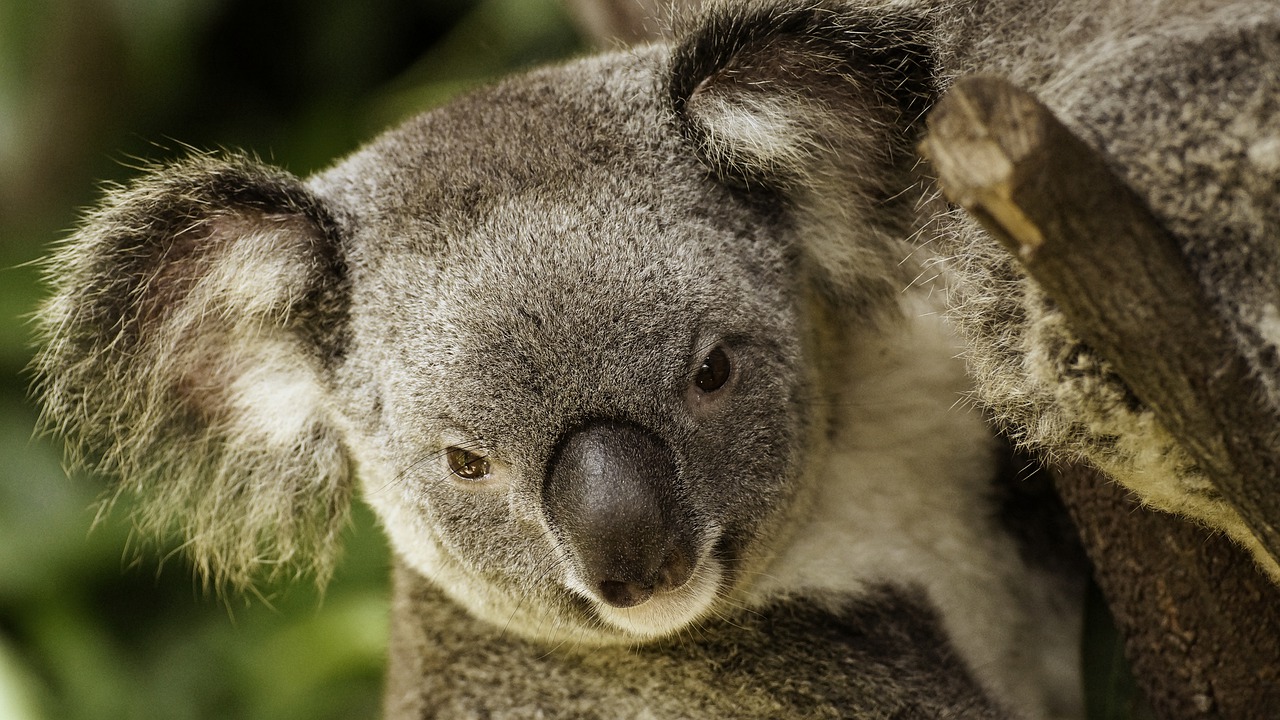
(613, 497)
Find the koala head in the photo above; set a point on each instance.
(566, 335)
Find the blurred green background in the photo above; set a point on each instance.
(89, 89)
(89, 626)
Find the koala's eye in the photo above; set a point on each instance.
(466, 464)
(714, 372)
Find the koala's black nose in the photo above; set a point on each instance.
(613, 497)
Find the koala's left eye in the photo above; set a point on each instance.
(466, 464)
(714, 372)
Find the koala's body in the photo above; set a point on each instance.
(634, 360)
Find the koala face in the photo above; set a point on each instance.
(569, 335)
(571, 408)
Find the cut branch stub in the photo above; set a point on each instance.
(1120, 278)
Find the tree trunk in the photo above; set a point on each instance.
(1201, 624)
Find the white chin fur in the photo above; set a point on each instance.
(668, 612)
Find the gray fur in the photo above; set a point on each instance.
(245, 350)
(152, 327)
(884, 645)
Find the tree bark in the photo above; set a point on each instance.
(1202, 624)
(1120, 278)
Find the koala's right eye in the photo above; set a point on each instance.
(714, 372)
(466, 464)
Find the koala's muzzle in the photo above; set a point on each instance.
(612, 496)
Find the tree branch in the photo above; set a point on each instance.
(1202, 625)
(1120, 278)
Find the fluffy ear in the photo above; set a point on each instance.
(822, 104)
(187, 351)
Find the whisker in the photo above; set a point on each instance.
(547, 563)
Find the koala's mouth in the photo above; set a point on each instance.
(666, 611)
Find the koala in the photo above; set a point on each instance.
(641, 362)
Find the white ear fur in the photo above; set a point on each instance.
(765, 135)
(821, 106)
(185, 354)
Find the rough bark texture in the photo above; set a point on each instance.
(1202, 625)
(1054, 202)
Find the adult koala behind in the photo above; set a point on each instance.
(629, 359)
(1180, 97)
